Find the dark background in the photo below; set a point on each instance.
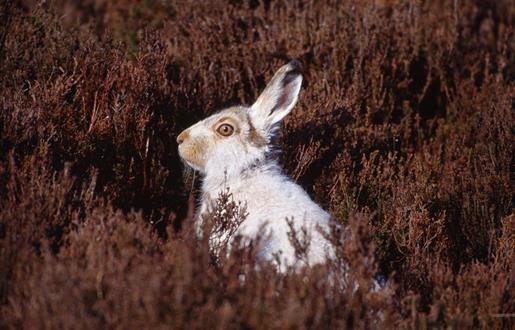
(403, 130)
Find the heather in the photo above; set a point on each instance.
(403, 131)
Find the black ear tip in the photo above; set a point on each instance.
(294, 71)
(295, 66)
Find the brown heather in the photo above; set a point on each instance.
(404, 131)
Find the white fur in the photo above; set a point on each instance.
(253, 177)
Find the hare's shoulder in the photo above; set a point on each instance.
(279, 196)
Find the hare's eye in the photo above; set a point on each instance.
(225, 130)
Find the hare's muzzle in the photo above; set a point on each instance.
(183, 136)
(192, 149)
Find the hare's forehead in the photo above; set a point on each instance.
(234, 115)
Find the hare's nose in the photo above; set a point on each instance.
(182, 137)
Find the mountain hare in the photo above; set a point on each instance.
(231, 149)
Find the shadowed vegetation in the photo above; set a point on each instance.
(403, 131)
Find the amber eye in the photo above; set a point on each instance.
(225, 130)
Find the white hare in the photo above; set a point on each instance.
(232, 149)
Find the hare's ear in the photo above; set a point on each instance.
(278, 98)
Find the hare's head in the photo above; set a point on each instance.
(238, 137)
